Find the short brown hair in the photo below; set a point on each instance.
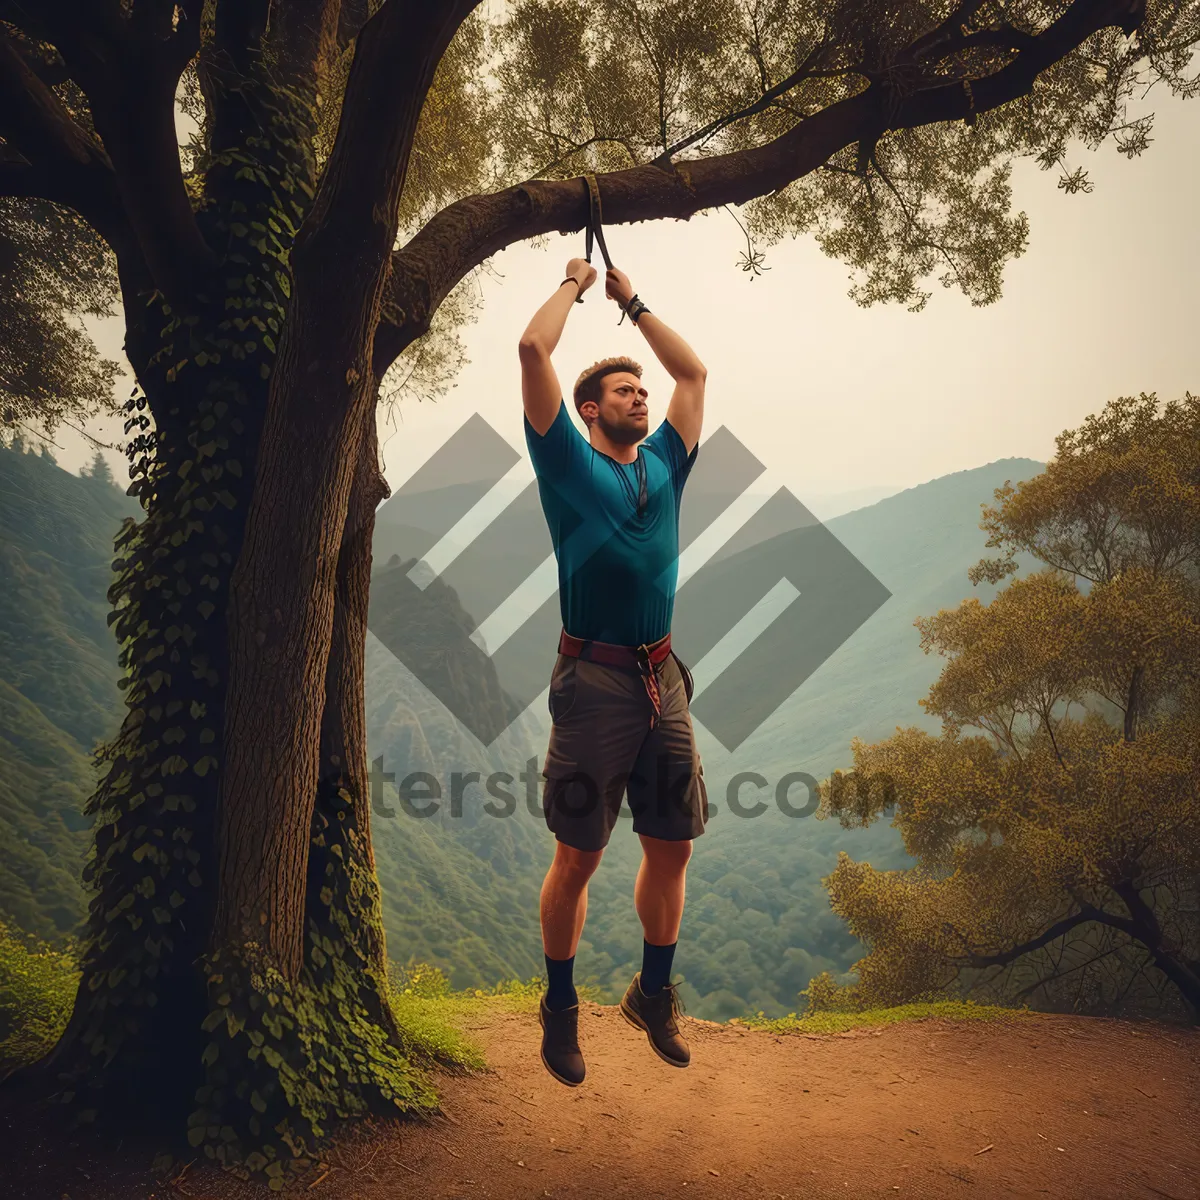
(587, 386)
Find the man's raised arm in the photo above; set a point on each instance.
(540, 390)
(686, 409)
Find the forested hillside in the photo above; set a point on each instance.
(58, 677)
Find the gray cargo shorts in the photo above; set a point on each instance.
(602, 747)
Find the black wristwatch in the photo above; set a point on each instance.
(635, 308)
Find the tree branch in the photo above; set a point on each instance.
(1055, 931)
(351, 226)
(807, 70)
(129, 70)
(469, 231)
(64, 163)
(1145, 928)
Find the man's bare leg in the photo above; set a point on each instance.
(564, 909)
(658, 896)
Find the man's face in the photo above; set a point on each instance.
(623, 414)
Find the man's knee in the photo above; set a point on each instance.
(666, 856)
(575, 866)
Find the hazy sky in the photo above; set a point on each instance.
(835, 398)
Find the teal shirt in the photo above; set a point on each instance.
(616, 572)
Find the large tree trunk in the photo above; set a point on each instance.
(281, 622)
(134, 1041)
(182, 1022)
(297, 1008)
(343, 754)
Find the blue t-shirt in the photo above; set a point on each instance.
(616, 572)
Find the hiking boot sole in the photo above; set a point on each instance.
(568, 1082)
(638, 1023)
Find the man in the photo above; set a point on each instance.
(618, 695)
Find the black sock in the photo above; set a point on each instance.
(656, 967)
(560, 992)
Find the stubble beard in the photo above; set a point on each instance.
(622, 434)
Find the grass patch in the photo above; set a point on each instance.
(37, 992)
(38, 984)
(840, 1022)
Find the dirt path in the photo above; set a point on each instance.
(1065, 1107)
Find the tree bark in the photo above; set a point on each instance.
(343, 757)
(281, 610)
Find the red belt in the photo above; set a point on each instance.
(643, 659)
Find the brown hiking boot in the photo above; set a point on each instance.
(657, 1016)
(560, 1043)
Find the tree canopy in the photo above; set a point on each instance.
(1059, 847)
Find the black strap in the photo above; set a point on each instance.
(595, 229)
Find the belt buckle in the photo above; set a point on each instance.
(643, 659)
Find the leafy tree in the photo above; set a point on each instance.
(348, 166)
(53, 267)
(1059, 850)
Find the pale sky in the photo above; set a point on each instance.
(833, 397)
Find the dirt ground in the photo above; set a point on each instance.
(1034, 1106)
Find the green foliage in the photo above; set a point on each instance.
(53, 268)
(418, 979)
(37, 990)
(612, 84)
(56, 534)
(830, 1021)
(58, 693)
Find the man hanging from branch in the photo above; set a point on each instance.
(272, 277)
(618, 695)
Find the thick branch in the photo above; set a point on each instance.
(129, 71)
(1145, 927)
(1051, 934)
(466, 233)
(352, 224)
(64, 162)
